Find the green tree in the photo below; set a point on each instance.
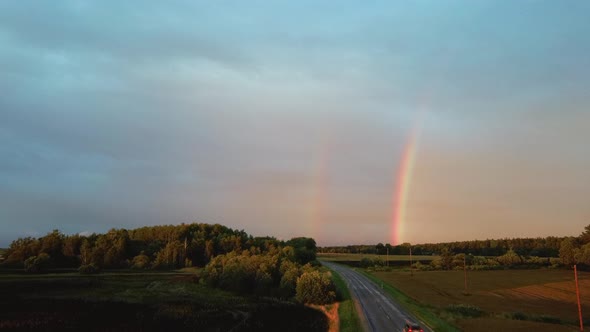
(71, 245)
(305, 249)
(315, 288)
(290, 272)
(582, 254)
(585, 236)
(21, 249)
(86, 252)
(51, 243)
(140, 261)
(446, 257)
(37, 264)
(171, 256)
(510, 258)
(567, 252)
(380, 248)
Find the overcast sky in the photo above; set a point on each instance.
(290, 119)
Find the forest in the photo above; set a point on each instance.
(232, 259)
(153, 247)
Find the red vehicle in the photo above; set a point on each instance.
(411, 327)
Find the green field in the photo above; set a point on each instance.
(357, 257)
(122, 301)
(540, 300)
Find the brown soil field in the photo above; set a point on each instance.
(531, 292)
(490, 324)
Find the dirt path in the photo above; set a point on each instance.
(331, 311)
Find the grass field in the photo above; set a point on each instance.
(358, 257)
(122, 301)
(510, 300)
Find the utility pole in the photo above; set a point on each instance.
(465, 271)
(578, 296)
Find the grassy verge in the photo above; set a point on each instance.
(348, 316)
(423, 313)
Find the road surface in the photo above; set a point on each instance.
(378, 310)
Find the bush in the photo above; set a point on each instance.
(465, 310)
(510, 258)
(366, 262)
(422, 267)
(315, 288)
(436, 264)
(89, 269)
(518, 316)
(548, 319)
(140, 262)
(288, 281)
(37, 264)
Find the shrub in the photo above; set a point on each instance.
(366, 262)
(141, 261)
(288, 281)
(37, 264)
(315, 288)
(547, 319)
(518, 316)
(436, 264)
(465, 310)
(510, 258)
(89, 269)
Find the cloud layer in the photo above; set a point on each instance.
(289, 119)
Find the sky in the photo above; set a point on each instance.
(293, 118)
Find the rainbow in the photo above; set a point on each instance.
(319, 199)
(402, 185)
(319, 191)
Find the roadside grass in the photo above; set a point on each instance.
(424, 313)
(348, 316)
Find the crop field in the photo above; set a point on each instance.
(541, 300)
(123, 301)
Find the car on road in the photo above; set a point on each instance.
(412, 327)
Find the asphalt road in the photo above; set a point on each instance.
(379, 311)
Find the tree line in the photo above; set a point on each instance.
(541, 247)
(475, 255)
(153, 247)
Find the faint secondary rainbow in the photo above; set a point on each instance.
(319, 198)
(319, 191)
(402, 184)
